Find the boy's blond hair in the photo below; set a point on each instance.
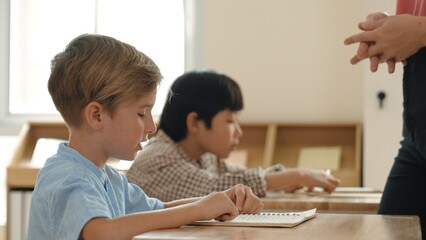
(102, 69)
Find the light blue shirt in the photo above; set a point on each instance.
(70, 190)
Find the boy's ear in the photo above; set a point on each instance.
(192, 122)
(93, 115)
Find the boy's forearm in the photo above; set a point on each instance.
(277, 180)
(180, 202)
(138, 223)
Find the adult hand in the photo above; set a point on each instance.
(363, 46)
(391, 39)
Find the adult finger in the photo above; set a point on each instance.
(360, 37)
(362, 50)
(391, 66)
(374, 63)
(371, 25)
(355, 59)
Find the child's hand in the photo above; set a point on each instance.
(228, 204)
(217, 205)
(311, 178)
(244, 199)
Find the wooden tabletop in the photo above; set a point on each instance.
(323, 227)
(338, 202)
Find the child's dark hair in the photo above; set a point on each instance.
(203, 92)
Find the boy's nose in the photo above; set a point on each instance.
(239, 131)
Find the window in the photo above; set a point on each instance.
(33, 31)
(41, 28)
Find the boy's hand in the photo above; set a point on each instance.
(217, 205)
(318, 178)
(244, 199)
(310, 178)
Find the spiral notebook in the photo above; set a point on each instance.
(264, 219)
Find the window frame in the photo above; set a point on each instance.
(10, 123)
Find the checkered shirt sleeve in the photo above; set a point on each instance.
(164, 171)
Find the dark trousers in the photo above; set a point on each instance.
(405, 189)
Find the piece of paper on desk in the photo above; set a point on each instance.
(320, 157)
(44, 148)
(264, 219)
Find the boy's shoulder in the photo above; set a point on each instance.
(69, 167)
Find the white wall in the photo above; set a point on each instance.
(290, 60)
(382, 126)
(288, 56)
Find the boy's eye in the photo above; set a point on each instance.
(143, 112)
(230, 121)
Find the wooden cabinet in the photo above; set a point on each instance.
(271, 143)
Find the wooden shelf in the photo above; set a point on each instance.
(272, 143)
(21, 173)
(265, 144)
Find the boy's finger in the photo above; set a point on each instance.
(251, 201)
(240, 196)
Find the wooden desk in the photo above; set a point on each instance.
(334, 202)
(323, 227)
